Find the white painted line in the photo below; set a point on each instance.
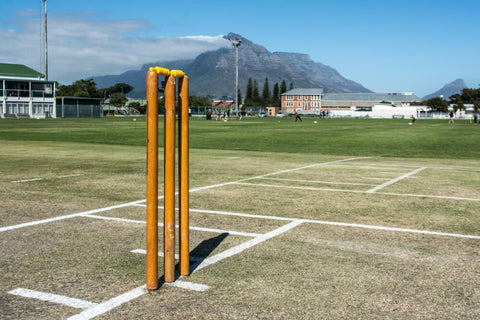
(359, 191)
(246, 245)
(385, 184)
(188, 285)
(27, 180)
(69, 216)
(323, 182)
(160, 254)
(232, 232)
(372, 167)
(39, 179)
(55, 298)
(108, 305)
(372, 178)
(70, 175)
(457, 235)
(238, 214)
(365, 226)
(427, 196)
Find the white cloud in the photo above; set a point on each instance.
(81, 46)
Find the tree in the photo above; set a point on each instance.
(118, 87)
(468, 96)
(239, 94)
(291, 86)
(86, 88)
(256, 100)
(276, 95)
(195, 101)
(266, 93)
(249, 92)
(437, 104)
(118, 99)
(283, 87)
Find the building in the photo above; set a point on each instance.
(25, 93)
(312, 101)
(302, 100)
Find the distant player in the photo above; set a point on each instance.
(450, 115)
(297, 116)
(413, 119)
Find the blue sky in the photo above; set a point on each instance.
(387, 46)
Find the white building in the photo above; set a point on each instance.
(396, 112)
(24, 93)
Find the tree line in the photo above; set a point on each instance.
(467, 96)
(87, 88)
(268, 97)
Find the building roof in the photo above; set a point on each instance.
(304, 92)
(391, 97)
(18, 70)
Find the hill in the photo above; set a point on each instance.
(449, 89)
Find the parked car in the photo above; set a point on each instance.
(262, 114)
(280, 114)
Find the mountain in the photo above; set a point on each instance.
(449, 89)
(331, 80)
(212, 73)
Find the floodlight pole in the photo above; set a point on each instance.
(236, 43)
(45, 40)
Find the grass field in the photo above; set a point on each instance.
(342, 219)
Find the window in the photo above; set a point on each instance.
(39, 108)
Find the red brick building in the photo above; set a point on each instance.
(302, 100)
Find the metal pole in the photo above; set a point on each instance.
(45, 39)
(183, 156)
(236, 80)
(152, 180)
(169, 176)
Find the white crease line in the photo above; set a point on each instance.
(238, 214)
(39, 179)
(372, 178)
(366, 226)
(160, 254)
(322, 182)
(108, 305)
(188, 285)
(55, 298)
(68, 216)
(359, 191)
(246, 245)
(232, 232)
(27, 180)
(385, 184)
(343, 224)
(426, 196)
(70, 175)
(380, 168)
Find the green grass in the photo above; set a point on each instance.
(379, 137)
(313, 271)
